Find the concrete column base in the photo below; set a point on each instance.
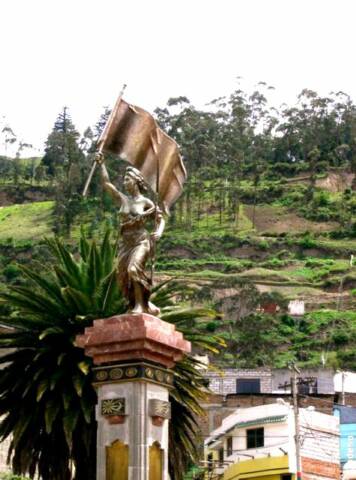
(133, 354)
(137, 431)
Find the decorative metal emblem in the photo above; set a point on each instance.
(113, 406)
(101, 375)
(131, 372)
(116, 373)
(149, 372)
(169, 378)
(159, 408)
(159, 375)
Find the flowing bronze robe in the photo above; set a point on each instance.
(134, 251)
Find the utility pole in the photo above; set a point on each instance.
(294, 386)
(294, 382)
(342, 387)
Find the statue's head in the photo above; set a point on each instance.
(132, 175)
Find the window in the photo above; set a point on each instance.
(308, 386)
(210, 462)
(248, 385)
(229, 446)
(221, 456)
(255, 437)
(286, 476)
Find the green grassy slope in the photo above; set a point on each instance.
(29, 221)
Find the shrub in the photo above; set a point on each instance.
(273, 263)
(293, 198)
(287, 169)
(11, 271)
(347, 358)
(321, 199)
(320, 214)
(307, 242)
(340, 338)
(318, 262)
(229, 357)
(322, 166)
(263, 245)
(212, 326)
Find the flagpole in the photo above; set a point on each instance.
(153, 252)
(103, 137)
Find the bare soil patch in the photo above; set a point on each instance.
(181, 252)
(248, 252)
(275, 219)
(336, 182)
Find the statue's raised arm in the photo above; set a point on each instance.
(107, 185)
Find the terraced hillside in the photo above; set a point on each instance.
(274, 253)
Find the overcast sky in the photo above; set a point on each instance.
(78, 53)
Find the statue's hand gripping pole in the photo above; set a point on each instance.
(102, 140)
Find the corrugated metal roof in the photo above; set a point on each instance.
(261, 421)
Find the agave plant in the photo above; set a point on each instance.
(46, 397)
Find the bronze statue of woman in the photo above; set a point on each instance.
(137, 243)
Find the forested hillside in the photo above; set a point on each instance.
(267, 216)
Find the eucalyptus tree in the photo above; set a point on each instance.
(10, 137)
(197, 133)
(310, 124)
(194, 130)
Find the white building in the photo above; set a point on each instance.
(258, 442)
(345, 382)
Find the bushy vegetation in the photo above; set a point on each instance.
(261, 339)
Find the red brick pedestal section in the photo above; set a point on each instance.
(133, 337)
(133, 356)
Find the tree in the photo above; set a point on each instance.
(62, 149)
(194, 130)
(40, 173)
(313, 157)
(5, 167)
(46, 397)
(9, 137)
(64, 161)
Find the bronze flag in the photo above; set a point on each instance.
(134, 135)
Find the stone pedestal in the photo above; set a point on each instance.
(133, 355)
